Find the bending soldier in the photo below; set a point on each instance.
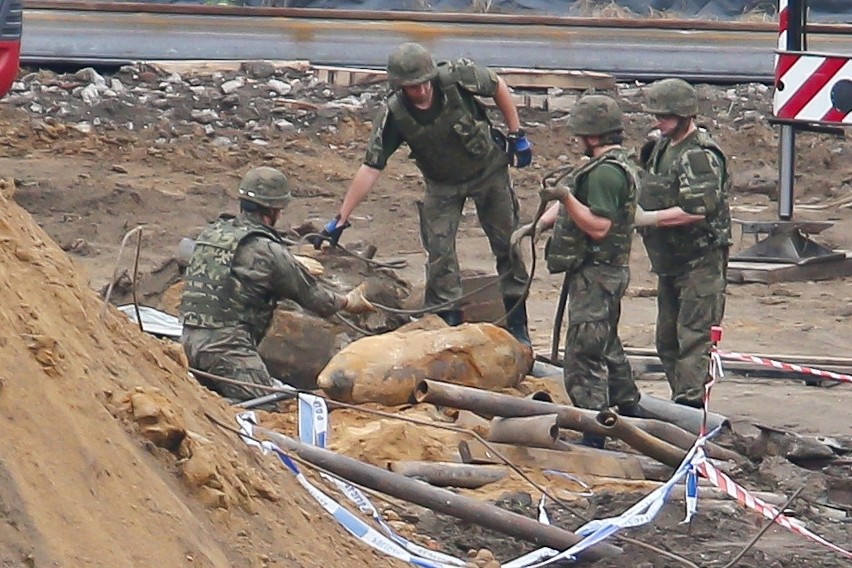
(591, 240)
(433, 109)
(685, 194)
(239, 271)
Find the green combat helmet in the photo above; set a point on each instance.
(673, 97)
(595, 115)
(410, 64)
(267, 187)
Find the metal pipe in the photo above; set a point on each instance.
(533, 431)
(688, 418)
(448, 474)
(472, 421)
(488, 403)
(680, 438)
(437, 499)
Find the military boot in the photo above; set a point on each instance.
(452, 317)
(516, 320)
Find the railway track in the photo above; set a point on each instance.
(116, 33)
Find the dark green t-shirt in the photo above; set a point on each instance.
(605, 190)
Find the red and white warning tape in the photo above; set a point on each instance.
(729, 486)
(829, 375)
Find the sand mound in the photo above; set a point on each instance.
(106, 458)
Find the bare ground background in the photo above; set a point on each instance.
(73, 451)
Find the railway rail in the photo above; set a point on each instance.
(115, 33)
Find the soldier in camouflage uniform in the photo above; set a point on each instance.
(433, 109)
(685, 189)
(239, 271)
(593, 224)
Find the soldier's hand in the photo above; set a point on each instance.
(331, 232)
(520, 149)
(529, 230)
(555, 193)
(357, 302)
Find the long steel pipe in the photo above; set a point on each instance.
(495, 404)
(441, 500)
(449, 474)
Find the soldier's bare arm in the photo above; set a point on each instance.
(364, 180)
(504, 102)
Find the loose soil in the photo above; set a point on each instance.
(107, 457)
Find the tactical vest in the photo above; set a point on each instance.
(671, 249)
(569, 247)
(456, 146)
(213, 297)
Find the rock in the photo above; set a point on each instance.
(230, 101)
(156, 419)
(83, 127)
(89, 94)
(385, 368)
(205, 116)
(7, 187)
(89, 75)
(232, 86)
(280, 87)
(285, 125)
(257, 69)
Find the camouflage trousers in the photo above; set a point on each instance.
(688, 305)
(230, 353)
(440, 214)
(597, 373)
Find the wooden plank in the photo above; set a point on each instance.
(517, 78)
(769, 272)
(572, 80)
(576, 461)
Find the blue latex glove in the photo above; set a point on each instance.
(330, 232)
(520, 149)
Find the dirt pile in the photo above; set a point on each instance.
(106, 456)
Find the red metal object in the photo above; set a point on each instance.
(716, 333)
(10, 42)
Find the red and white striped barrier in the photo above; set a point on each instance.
(743, 497)
(813, 88)
(828, 375)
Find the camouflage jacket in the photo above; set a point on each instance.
(697, 181)
(569, 247)
(455, 144)
(239, 271)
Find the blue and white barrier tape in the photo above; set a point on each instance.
(313, 429)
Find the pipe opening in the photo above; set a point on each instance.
(421, 390)
(542, 396)
(607, 418)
